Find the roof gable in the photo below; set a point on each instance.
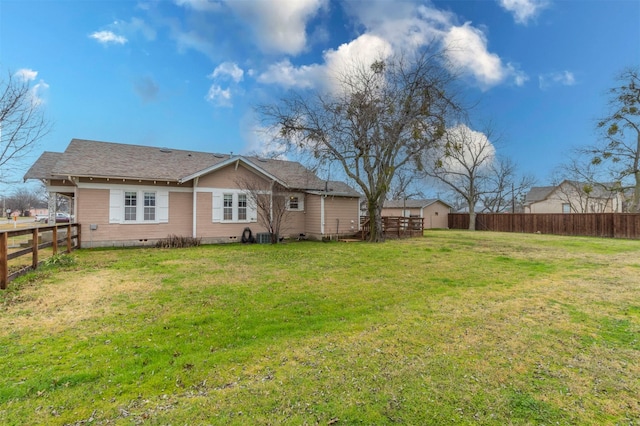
(538, 193)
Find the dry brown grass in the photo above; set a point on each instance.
(75, 297)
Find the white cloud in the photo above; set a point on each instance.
(107, 37)
(363, 50)
(402, 27)
(467, 50)
(39, 90)
(474, 149)
(279, 27)
(563, 78)
(524, 10)
(285, 74)
(133, 27)
(226, 72)
(264, 141)
(219, 96)
(26, 74)
(228, 69)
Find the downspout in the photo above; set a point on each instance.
(273, 182)
(322, 197)
(195, 208)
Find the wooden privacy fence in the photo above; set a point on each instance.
(40, 238)
(610, 225)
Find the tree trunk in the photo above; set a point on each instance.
(375, 222)
(635, 203)
(472, 213)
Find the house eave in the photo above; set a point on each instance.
(230, 161)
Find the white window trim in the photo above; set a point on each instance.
(217, 208)
(300, 202)
(117, 207)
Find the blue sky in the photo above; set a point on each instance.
(187, 73)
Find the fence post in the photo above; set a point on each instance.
(54, 234)
(78, 236)
(34, 248)
(69, 238)
(4, 267)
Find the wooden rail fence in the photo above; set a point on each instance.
(395, 226)
(609, 225)
(42, 237)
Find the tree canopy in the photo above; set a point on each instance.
(22, 120)
(619, 149)
(374, 120)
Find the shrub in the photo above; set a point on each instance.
(175, 241)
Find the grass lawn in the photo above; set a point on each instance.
(454, 328)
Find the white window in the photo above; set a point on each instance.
(295, 202)
(149, 206)
(124, 203)
(232, 205)
(130, 206)
(566, 208)
(242, 207)
(228, 207)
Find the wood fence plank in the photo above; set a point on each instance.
(609, 225)
(4, 262)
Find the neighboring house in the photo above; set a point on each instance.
(573, 197)
(433, 212)
(131, 195)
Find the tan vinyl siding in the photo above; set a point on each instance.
(341, 216)
(211, 231)
(436, 216)
(230, 177)
(393, 211)
(293, 224)
(312, 218)
(93, 209)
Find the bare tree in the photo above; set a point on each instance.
(22, 120)
(270, 201)
(405, 185)
(377, 119)
(504, 190)
(22, 199)
(580, 186)
(462, 161)
(619, 150)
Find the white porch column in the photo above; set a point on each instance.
(195, 208)
(53, 197)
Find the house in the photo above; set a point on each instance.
(434, 212)
(131, 195)
(573, 197)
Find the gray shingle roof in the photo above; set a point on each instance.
(411, 204)
(337, 188)
(85, 158)
(43, 166)
(538, 193)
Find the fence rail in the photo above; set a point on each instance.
(609, 225)
(42, 237)
(395, 226)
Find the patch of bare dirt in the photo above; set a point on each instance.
(59, 305)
